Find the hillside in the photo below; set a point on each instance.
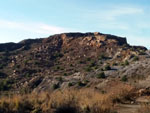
(70, 60)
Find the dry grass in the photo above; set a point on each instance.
(121, 92)
(145, 108)
(66, 101)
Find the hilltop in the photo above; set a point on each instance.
(70, 60)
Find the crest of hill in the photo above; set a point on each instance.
(95, 38)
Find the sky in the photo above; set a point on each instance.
(23, 19)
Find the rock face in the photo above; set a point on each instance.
(67, 60)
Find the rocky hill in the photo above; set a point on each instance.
(73, 60)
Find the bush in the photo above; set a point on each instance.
(64, 101)
(101, 75)
(81, 84)
(88, 69)
(81, 62)
(101, 57)
(59, 79)
(25, 62)
(92, 64)
(107, 67)
(65, 74)
(5, 84)
(88, 59)
(70, 84)
(55, 86)
(27, 75)
(58, 55)
(124, 78)
(57, 67)
(135, 58)
(142, 52)
(2, 65)
(126, 63)
(2, 75)
(114, 64)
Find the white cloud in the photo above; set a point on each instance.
(122, 11)
(39, 28)
(114, 17)
(113, 13)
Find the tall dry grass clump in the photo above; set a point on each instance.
(64, 101)
(145, 108)
(120, 92)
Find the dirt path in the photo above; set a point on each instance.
(132, 108)
(128, 108)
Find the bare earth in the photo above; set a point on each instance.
(133, 108)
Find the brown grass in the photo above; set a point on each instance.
(66, 101)
(145, 108)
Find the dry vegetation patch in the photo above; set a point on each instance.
(66, 101)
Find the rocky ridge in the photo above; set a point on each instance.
(73, 60)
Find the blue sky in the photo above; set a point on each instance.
(22, 19)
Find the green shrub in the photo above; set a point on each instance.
(124, 78)
(62, 68)
(1, 66)
(2, 75)
(101, 57)
(88, 59)
(107, 67)
(57, 67)
(25, 90)
(59, 78)
(92, 64)
(81, 84)
(142, 52)
(101, 75)
(27, 75)
(81, 62)
(25, 61)
(55, 86)
(114, 64)
(88, 69)
(70, 84)
(126, 63)
(58, 55)
(135, 58)
(65, 74)
(5, 84)
(17, 66)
